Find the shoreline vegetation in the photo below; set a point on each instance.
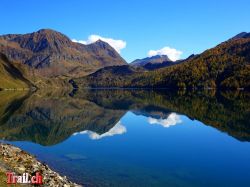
(13, 159)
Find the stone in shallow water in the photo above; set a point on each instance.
(75, 157)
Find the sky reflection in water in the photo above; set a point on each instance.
(140, 140)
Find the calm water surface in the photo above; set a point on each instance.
(134, 138)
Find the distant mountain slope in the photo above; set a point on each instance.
(10, 76)
(226, 66)
(113, 76)
(156, 62)
(51, 53)
(153, 60)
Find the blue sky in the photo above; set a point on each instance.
(187, 26)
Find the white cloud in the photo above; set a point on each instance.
(173, 119)
(118, 45)
(172, 53)
(79, 41)
(117, 129)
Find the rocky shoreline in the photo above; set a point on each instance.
(13, 159)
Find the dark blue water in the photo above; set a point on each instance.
(149, 145)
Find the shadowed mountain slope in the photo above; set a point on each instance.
(10, 76)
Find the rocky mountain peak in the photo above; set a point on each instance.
(157, 59)
(242, 35)
(53, 50)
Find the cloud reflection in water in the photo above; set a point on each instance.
(117, 129)
(173, 119)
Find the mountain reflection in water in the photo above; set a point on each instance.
(50, 118)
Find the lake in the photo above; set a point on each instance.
(134, 137)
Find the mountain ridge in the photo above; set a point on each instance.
(226, 66)
(153, 59)
(241, 35)
(153, 62)
(51, 53)
(48, 58)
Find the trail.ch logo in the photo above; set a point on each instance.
(25, 178)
